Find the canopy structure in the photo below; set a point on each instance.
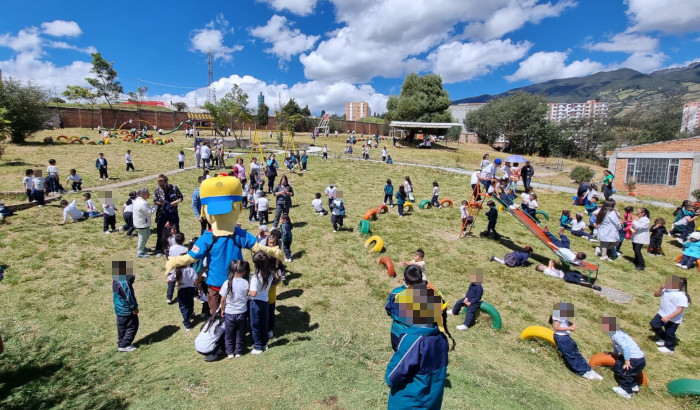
(202, 120)
(417, 129)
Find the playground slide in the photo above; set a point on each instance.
(176, 128)
(528, 223)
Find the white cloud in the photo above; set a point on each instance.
(26, 41)
(300, 7)
(66, 46)
(512, 16)
(626, 43)
(387, 38)
(330, 97)
(543, 66)
(643, 62)
(25, 67)
(286, 42)
(212, 38)
(61, 28)
(668, 16)
(457, 61)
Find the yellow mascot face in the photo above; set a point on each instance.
(222, 203)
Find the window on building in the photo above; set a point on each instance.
(653, 171)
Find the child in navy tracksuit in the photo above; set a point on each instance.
(125, 305)
(389, 193)
(492, 215)
(286, 228)
(629, 358)
(472, 300)
(412, 276)
(566, 345)
(514, 258)
(416, 372)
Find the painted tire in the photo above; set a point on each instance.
(408, 205)
(382, 209)
(372, 213)
(684, 387)
(378, 243)
(123, 132)
(92, 143)
(386, 261)
(363, 227)
(447, 201)
(538, 332)
(496, 320)
(605, 359)
(424, 203)
(61, 137)
(74, 138)
(543, 213)
(100, 143)
(84, 138)
(77, 142)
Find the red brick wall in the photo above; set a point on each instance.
(683, 145)
(678, 192)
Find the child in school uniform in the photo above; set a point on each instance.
(629, 358)
(28, 184)
(304, 159)
(38, 187)
(128, 215)
(261, 207)
(569, 276)
(72, 211)
(532, 206)
(317, 204)
(187, 282)
(492, 215)
(578, 227)
(515, 258)
(181, 160)
(286, 228)
(465, 217)
(436, 191)
(418, 260)
(566, 345)
(389, 193)
(234, 307)
(252, 216)
(109, 220)
(337, 207)
(125, 305)
(565, 220)
(674, 302)
(75, 180)
(90, 206)
(691, 251)
(472, 300)
(412, 276)
(656, 237)
(401, 199)
(260, 282)
(177, 249)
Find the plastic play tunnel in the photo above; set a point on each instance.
(539, 332)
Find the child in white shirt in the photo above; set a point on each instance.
(71, 210)
(108, 213)
(38, 187)
(317, 203)
(187, 282)
(466, 218)
(28, 184)
(90, 206)
(181, 160)
(175, 250)
(261, 207)
(234, 305)
(75, 180)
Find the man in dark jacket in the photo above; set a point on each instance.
(527, 172)
(125, 306)
(167, 197)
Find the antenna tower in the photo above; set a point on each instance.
(211, 93)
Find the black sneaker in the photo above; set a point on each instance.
(492, 258)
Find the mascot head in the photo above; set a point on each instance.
(222, 202)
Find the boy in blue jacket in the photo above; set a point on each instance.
(125, 305)
(416, 372)
(412, 276)
(472, 300)
(389, 193)
(514, 258)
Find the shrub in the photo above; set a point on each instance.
(696, 194)
(581, 174)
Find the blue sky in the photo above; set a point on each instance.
(325, 53)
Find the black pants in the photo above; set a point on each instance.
(181, 165)
(491, 228)
(303, 166)
(638, 257)
(127, 326)
(390, 198)
(29, 195)
(271, 182)
(655, 246)
(665, 331)
(185, 299)
(627, 378)
(38, 196)
(279, 210)
(262, 215)
(252, 216)
(128, 223)
(337, 221)
(607, 192)
(129, 166)
(77, 186)
(103, 173)
(109, 221)
(171, 291)
(174, 219)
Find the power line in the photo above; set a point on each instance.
(169, 85)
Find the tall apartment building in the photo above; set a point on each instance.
(691, 116)
(356, 110)
(564, 111)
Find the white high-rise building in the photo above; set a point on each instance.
(558, 112)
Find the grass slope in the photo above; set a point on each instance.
(331, 340)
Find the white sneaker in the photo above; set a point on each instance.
(597, 375)
(462, 327)
(158, 255)
(679, 264)
(237, 356)
(664, 349)
(593, 240)
(127, 349)
(168, 301)
(334, 231)
(679, 240)
(605, 258)
(230, 356)
(660, 343)
(635, 388)
(684, 267)
(597, 250)
(589, 375)
(287, 260)
(619, 390)
(449, 312)
(256, 351)
(107, 232)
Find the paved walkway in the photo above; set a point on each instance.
(559, 188)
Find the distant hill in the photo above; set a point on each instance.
(622, 88)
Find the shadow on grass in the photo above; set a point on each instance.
(299, 224)
(298, 254)
(290, 320)
(159, 335)
(293, 293)
(291, 276)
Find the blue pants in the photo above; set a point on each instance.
(572, 357)
(665, 331)
(390, 198)
(286, 247)
(259, 310)
(627, 378)
(127, 326)
(434, 201)
(271, 317)
(689, 228)
(185, 299)
(171, 290)
(688, 261)
(563, 242)
(582, 234)
(400, 209)
(471, 311)
(234, 327)
(38, 196)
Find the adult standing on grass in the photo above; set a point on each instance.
(254, 172)
(608, 179)
(284, 193)
(197, 153)
(142, 214)
(205, 152)
(527, 172)
(239, 169)
(166, 197)
(640, 236)
(101, 165)
(271, 172)
(608, 224)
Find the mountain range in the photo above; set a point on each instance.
(623, 89)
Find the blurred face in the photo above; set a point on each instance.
(608, 324)
(563, 310)
(476, 278)
(672, 283)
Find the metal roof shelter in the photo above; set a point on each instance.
(427, 126)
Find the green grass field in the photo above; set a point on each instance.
(331, 342)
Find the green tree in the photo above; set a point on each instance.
(421, 99)
(105, 81)
(306, 112)
(25, 109)
(290, 116)
(519, 118)
(180, 106)
(262, 117)
(231, 109)
(138, 97)
(584, 138)
(57, 100)
(4, 129)
(650, 123)
(81, 95)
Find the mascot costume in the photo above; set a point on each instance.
(222, 203)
